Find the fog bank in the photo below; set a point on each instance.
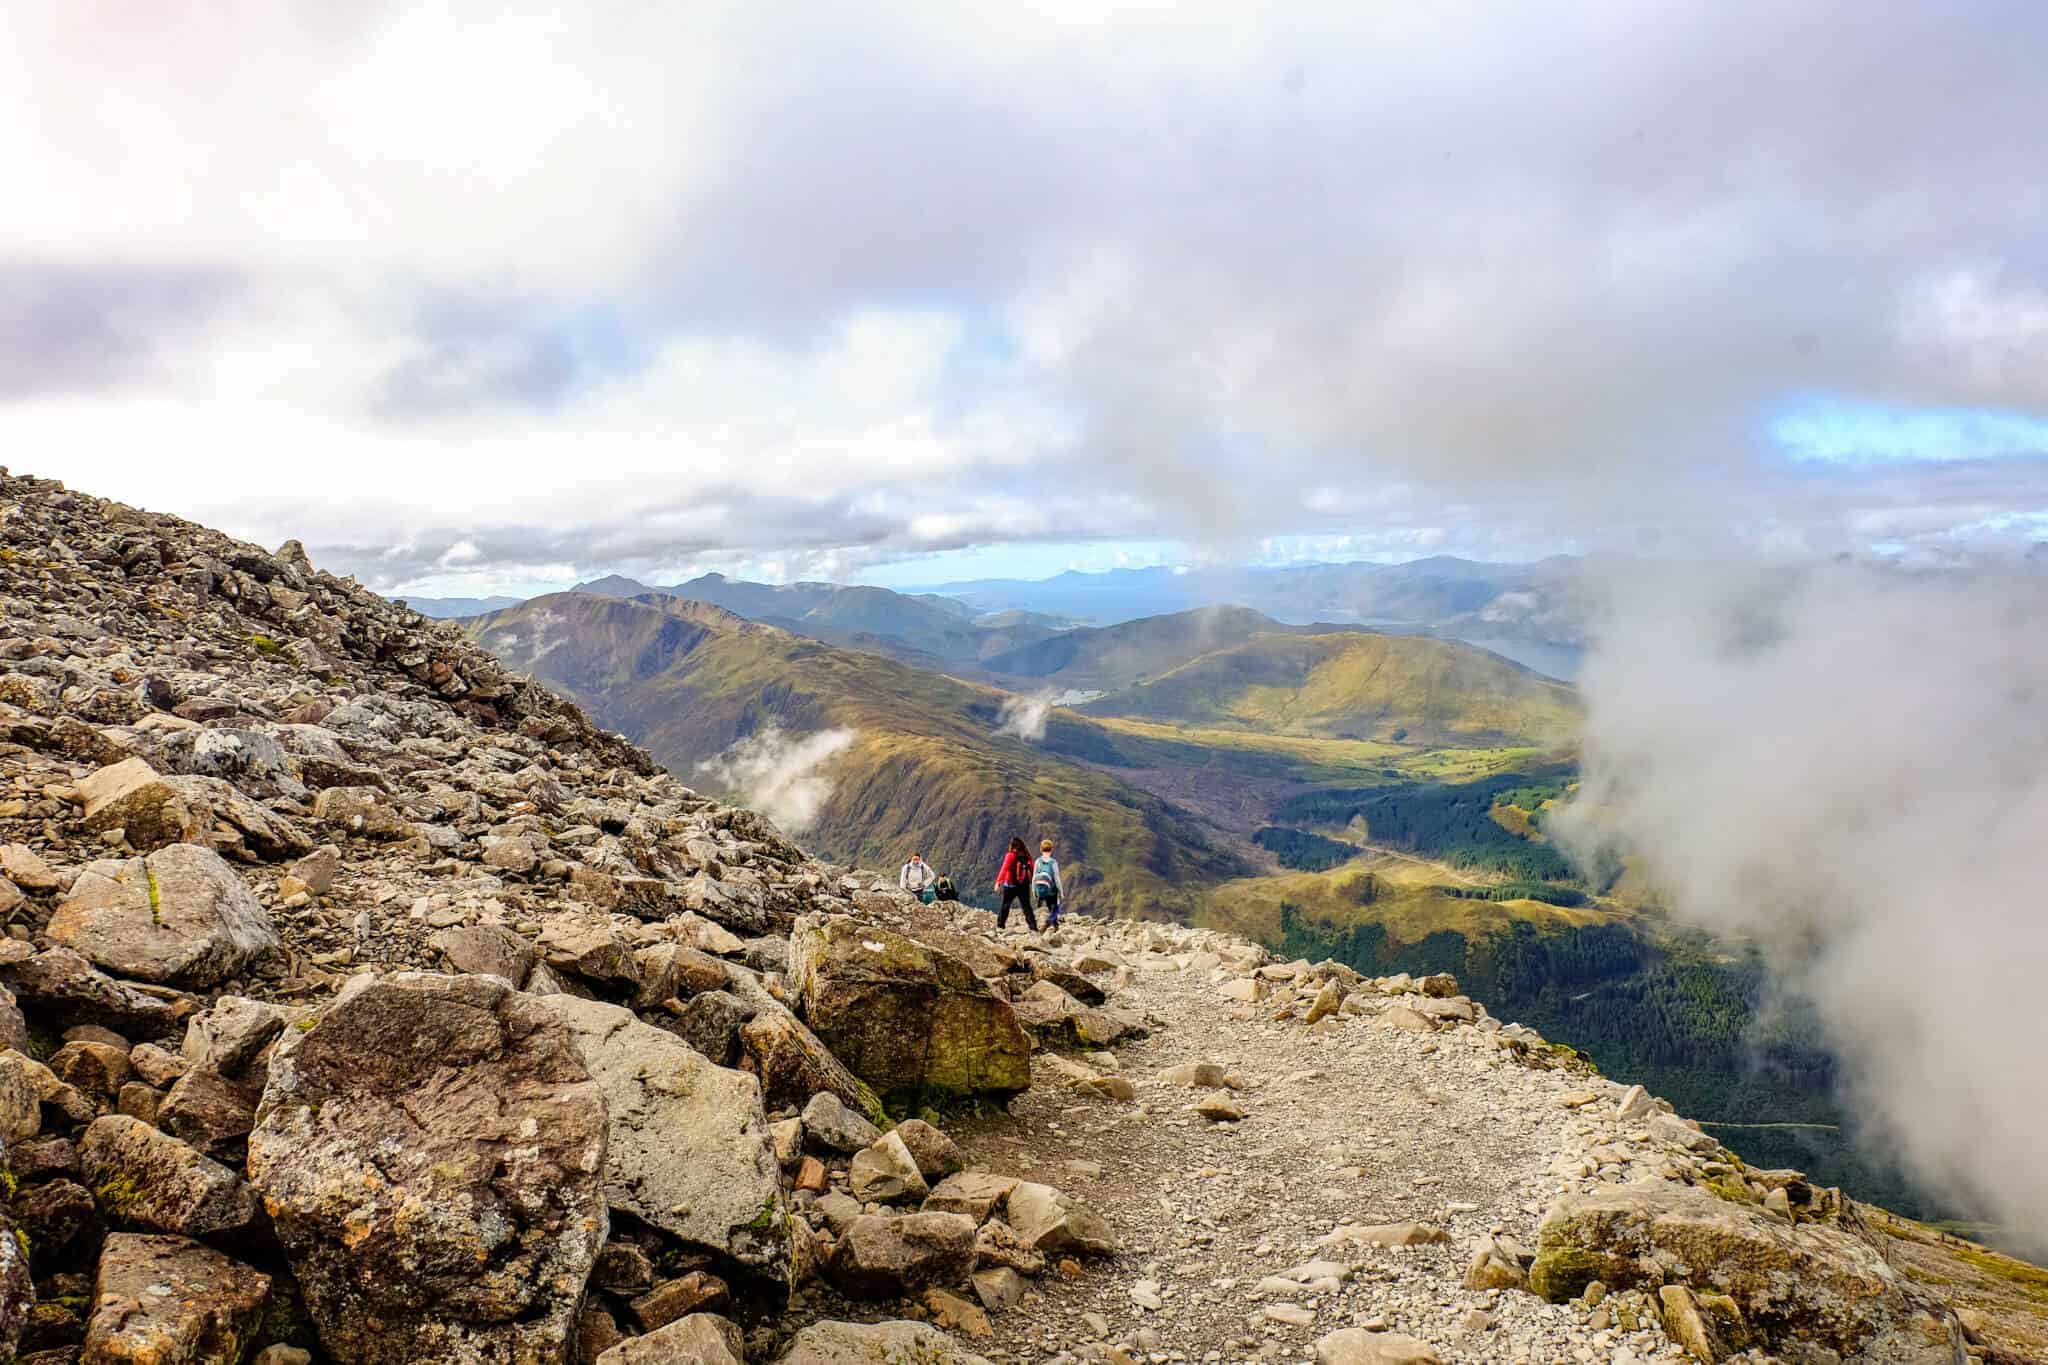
(1850, 766)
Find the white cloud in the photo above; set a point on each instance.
(631, 287)
(781, 776)
(1850, 768)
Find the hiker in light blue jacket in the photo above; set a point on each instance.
(1046, 885)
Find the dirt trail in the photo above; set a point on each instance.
(1359, 1124)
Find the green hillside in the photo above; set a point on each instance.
(1112, 658)
(1360, 685)
(925, 769)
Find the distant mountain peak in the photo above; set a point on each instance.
(612, 585)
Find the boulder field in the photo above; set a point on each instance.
(362, 1001)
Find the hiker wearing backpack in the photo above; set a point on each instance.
(918, 878)
(1045, 883)
(1013, 880)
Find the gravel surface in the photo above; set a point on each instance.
(1343, 1124)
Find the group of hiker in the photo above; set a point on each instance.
(1019, 880)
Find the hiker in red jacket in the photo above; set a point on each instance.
(1014, 882)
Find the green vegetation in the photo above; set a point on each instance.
(1358, 685)
(264, 644)
(1112, 658)
(1520, 891)
(1452, 822)
(2032, 1281)
(1303, 851)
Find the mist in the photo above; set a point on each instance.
(1848, 765)
(779, 775)
(1025, 717)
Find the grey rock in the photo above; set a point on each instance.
(936, 1155)
(688, 1150)
(886, 1173)
(830, 1124)
(699, 1339)
(431, 1153)
(1051, 1221)
(1355, 1346)
(181, 916)
(881, 1343)
(878, 1257)
(229, 1035)
(487, 949)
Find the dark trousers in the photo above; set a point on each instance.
(1021, 895)
(1049, 901)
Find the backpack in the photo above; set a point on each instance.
(1042, 872)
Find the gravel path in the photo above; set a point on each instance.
(1345, 1123)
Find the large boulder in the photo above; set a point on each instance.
(133, 797)
(793, 1064)
(170, 1301)
(153, 811)
(880, 1257)
(878, 1343)
(699, 1339)
(1811, 1283)
(906, 1018)
(431, 1153)
(181, 916)
(689, 1151)
(67, 990)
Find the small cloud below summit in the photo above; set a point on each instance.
(781, 775)
(1025, 717)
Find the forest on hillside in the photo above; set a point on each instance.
(1452, 822)
(1305, 852)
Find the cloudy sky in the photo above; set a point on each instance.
(490, 296)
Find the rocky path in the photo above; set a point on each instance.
(1235, 1229)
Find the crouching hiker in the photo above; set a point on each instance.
(1013, 881)
(1045, 882)
(918, 879)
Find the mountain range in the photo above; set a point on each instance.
(923, 767)
(954, 765)
(1531, 613)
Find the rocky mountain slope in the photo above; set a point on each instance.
(360, 1001)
